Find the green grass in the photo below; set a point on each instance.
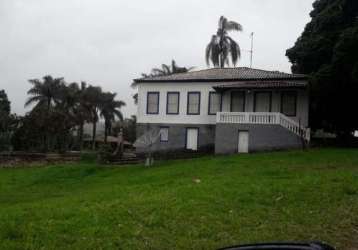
(286, 196)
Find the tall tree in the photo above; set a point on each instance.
(45, 94)
(92, 99)
(83, 112)
(4, 104)
(109, 110)
(222, 47)
(327, 50)
(6, 121)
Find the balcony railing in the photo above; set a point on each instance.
(263, 118)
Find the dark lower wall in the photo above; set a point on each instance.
(261, 138)
(177, 137)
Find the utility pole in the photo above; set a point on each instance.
(252, 48)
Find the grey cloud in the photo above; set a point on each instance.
(110, 42)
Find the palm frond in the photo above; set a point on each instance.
(235, 50)
(118, 114)
(233, 26)
(213, 51)
(222, 22)
(33, 99)
(145, 75)
(166, 69)
(158, 72)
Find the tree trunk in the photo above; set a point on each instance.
(47, 134)
(105, 132)
(80, 135)
(221, 55)
(94, 135)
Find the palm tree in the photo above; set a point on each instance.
(109, 110)
(82, 111)
(45, 94)
(92, 99)
(167, 70)
(221, 46)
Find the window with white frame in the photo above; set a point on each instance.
(214, 103)
(153, 103)
(289, 103)
(193, 103)
(173, 103)
(164, 134)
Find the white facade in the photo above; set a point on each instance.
(182, 117)
(302, 103)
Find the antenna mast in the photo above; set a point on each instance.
(252, 48)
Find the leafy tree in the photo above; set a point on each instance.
(222, 47)
(4, 104)
(109, 110)
(327, 50)
(7, 122)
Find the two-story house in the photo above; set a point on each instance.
(224, 110)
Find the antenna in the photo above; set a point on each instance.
(252, 48)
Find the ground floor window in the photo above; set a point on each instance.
(164, 134)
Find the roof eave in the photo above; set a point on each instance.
(136, 81)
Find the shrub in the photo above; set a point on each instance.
(105, 153)
(88, 157)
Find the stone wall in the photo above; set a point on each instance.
(177, 137)
(261, 138)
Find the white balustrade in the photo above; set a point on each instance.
(263, 118)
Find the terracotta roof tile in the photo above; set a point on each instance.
(262, 84)
(224, 74)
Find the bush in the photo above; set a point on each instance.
(105, 153)
(88, 157)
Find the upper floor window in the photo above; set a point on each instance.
(173, 103)
(262, 101)
(193, 107)
(153, 103)
(289, 103)
(214, 103)
(237, 101)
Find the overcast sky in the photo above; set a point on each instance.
(111, 42)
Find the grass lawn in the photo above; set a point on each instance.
(285, 196)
